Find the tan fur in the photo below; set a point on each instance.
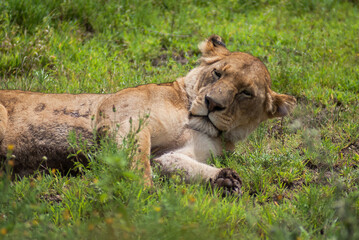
(180, 133)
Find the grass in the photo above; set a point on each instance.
(300, 173)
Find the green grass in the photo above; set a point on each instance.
(300, 173)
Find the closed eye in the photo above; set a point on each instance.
(246, 93)
(216, 74)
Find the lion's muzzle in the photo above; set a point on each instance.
(213, 104)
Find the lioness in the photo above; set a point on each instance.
(217, 104)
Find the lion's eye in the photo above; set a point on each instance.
(217, 75)
(246, 93)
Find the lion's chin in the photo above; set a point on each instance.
(204, 125)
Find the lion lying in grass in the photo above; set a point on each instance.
(216, 105)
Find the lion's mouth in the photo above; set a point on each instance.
(203, 124)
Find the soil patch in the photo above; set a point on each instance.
(352, 148)
(179, 57)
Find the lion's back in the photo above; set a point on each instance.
(36, 126)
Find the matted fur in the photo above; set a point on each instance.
(217, 104)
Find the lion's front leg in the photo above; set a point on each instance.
(190, 169)
(226, 179)
(141, 159)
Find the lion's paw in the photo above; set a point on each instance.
(229, 182)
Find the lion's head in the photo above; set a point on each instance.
(230, 93)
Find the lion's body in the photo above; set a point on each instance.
(54, 116)
(217, 104)
(38, 125)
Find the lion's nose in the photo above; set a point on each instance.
(213, 105)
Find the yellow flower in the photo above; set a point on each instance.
(91, 227)
(11, 163)
(10, 147)
(3, 231)
(157, 209)
(66, 214)
(109, 221)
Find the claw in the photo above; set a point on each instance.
(229, 181)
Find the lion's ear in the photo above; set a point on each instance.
(280, 105)
(213, 46)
